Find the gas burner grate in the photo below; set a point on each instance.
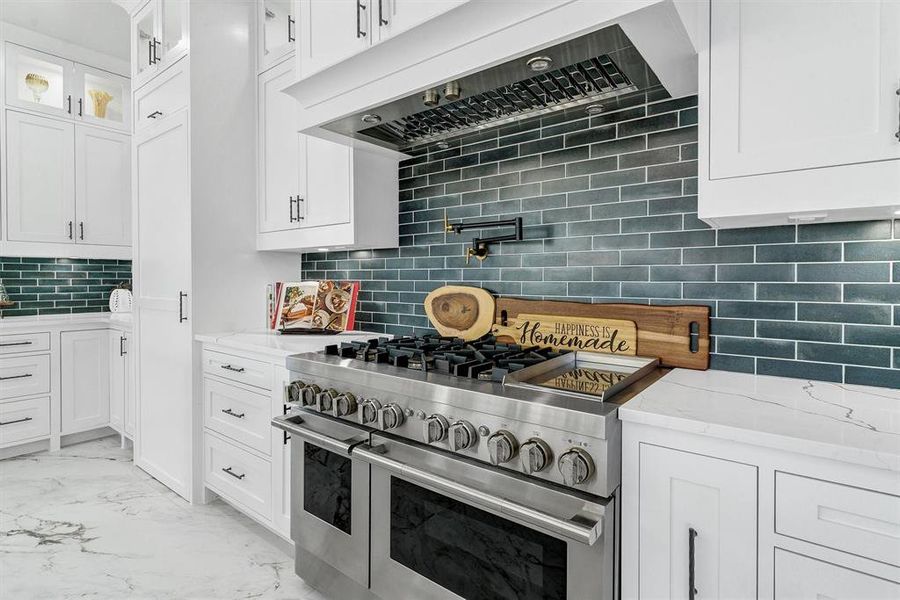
(566, 87)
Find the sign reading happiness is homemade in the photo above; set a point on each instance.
(612, 336)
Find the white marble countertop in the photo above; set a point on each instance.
(277, 345)
(850, 423)
(106, 319)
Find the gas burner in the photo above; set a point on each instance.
(485, 359)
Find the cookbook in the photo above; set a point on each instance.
(318, 305)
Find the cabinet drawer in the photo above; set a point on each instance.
(24, 342)
(238, 475)
(236, 368)
(24, 375)
(238, 413)
(166, 95)
(838, 516)
(799, 577)
(24, 421)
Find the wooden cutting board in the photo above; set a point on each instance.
(662, 331)
(612, 336)
(460, 311)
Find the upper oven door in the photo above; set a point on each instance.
(329, 492)
(445, 527)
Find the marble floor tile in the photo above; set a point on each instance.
(86, 523)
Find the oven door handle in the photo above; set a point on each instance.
(305, 431)
(586, 532)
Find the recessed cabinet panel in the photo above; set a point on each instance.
(799, 577)
(696, 505)
(40, 167)
(37, 81)
(329, 180)
(103, 187)
(174, 30)
(277, 31)
(394, 16)
(84, 363)
(116, 381)
(332, 30)
(800, 85)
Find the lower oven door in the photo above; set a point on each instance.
(329, 492)
(447, 527)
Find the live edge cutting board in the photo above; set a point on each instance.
(662, 331)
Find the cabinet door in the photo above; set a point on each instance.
(40, 187)
(144, 35)
(39, 82)
(129, 413)
(164, 357)
(332, 30)
(681, 493)
(102, 186)
(394, 16)
(277, 31)
(801, 85)
(280, 161)
(799, 577)
(102, 98)
(174, 28)
(329, 173)
(116, 381)
(84, 382)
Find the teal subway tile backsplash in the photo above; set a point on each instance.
(609, 206)
(48, 286)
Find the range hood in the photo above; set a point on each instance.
(595, 70)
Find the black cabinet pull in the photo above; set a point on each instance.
(291, 207)
(15, 344)
(69, 104)
(81, 107)
(22, 376)
(231, 368)
(897, 135)
(692, 591)
(122, 345)
(154, 114)
(291, 36)
(70, 231)
(81, 230)
(230, 412)
(287, 438)
(154, 57)
(22, 420)
(233, 474)
(149, 52)
(381, 20)
(359, 8)
(181, 316)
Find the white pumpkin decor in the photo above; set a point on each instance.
(120, 300)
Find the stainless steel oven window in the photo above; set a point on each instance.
(472, 552)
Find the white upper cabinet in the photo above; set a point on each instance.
(102, 98)
(332, 30)
(40, 186)
(697, 520)
(277, 31)
(159, 37)
(329, 184)
(799, 110)
(102, 186)
(801, 85)
(39, 82)
(393, 16)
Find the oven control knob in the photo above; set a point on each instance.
(391, 416)
(295, 391)
(576, 466)
(462, 436)
(368, 411)
(324, 400)
(434, 429)
(344, 405)
(309, 394)
(502, 446)
(535, 455)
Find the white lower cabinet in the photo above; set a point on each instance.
(121, 382)
(84, 365)
(24, 421)
(697, 525)
(237, 474)
(799, 577)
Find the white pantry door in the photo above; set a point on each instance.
(162, 280)
(103, 186)
(802, 85)
(40, 183)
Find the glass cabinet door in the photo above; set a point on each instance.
(143, 38)
(102, 98)
(278, 29)
(38, 81)
(174, 30)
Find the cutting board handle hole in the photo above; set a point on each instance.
(504, 318)
(694, 337)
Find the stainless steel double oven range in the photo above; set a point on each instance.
(416, 476)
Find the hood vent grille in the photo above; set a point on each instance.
(581, 83)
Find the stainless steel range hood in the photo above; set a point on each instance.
(594, 69)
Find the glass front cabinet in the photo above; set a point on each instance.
(47, 84)
(159, 38)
